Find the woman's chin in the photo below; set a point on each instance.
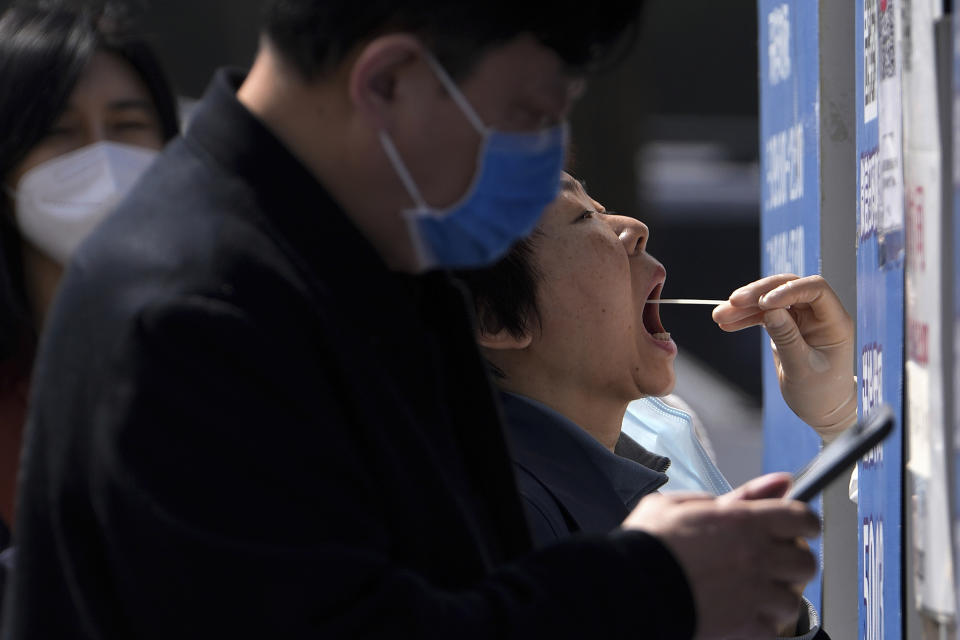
(657, 389)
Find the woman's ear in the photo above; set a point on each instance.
(502, 340)
(373, 78)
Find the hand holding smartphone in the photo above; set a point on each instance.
(841, 454)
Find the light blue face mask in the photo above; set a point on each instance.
(517, 176)
(668, 431)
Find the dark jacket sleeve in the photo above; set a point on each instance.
(202, 451)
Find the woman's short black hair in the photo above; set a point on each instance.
(505, 294)
(316, 35)
(44, 49)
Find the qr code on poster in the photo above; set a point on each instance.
(888, 39)
(869, 60)
(869, 194)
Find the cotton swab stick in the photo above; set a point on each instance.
(685, 301)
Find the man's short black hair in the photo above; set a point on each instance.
(314, 36)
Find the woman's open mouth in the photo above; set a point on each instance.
(651, 317)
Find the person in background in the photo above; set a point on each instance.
(259, 410)
(564, 323)
(84, 108)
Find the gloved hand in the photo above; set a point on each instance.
(812, 339)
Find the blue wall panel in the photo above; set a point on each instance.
(790, 179)
(879, 325)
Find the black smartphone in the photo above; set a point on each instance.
(841, 454)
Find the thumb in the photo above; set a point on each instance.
(770, 486)
(689, 496)
(784, 332)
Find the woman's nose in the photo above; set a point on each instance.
(94, 131)
(633, 235)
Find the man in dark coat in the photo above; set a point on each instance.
(258, 414)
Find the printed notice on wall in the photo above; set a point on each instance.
(926, 428)
(890, 165)
(880, 243)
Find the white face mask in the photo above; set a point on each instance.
(59, 202)
(668, 431)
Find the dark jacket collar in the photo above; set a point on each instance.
(629, 448)
(302, 215)
(596, 486)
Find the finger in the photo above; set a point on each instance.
(812, 290)
(726, 313)
(645, 515)
(772, 485)
(756, 318)
(749, 294)
(688, 496)
(780, 605)
(677, 497)
(791, 563)
(785, 519)
(786, 336)
(650, 501)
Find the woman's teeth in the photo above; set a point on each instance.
(664, 336)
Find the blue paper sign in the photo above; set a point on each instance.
(790, 191)
(879, 313)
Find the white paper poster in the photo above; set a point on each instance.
(927, 464)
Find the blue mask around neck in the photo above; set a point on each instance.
(517, 176)
(668, 431)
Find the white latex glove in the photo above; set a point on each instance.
(812, 339)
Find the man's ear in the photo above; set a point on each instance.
(502, 340)
(373, 77)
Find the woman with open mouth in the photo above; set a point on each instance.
(566, 327)
(565, 323)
